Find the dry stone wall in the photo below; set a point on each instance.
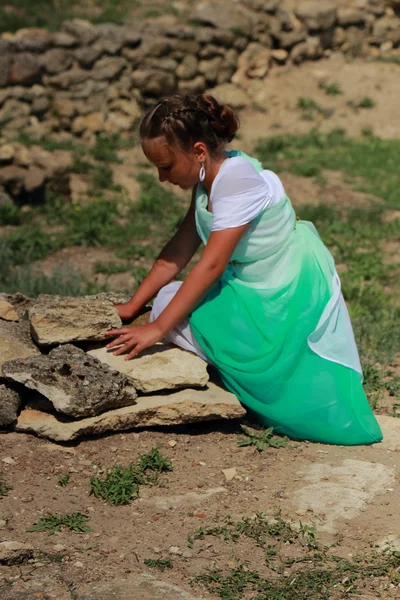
(88, 78)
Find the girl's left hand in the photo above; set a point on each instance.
(134, 339)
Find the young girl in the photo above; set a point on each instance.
(263, 304)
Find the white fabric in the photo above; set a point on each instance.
(239, 193)
(182, 334)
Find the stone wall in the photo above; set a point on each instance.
(86, 78)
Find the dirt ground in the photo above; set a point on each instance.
(350, 493)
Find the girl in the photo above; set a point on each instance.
(263, 304)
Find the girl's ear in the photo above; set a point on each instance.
(200, 151)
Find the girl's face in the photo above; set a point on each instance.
(173, 165)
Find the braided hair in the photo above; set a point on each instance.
(185, 120)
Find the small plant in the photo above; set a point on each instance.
(310, 107)
(74, 522)
(262, 440)
(111, 268)
(63, 480)
(122, 484)
(119, 486)
(4, 487)
(158, 563)
(332, 89)
(365, 102)
(396, 410)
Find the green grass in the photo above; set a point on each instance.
(121, 485)
(310, 107)
(372, 163)
(50, 14)
(4, 487)
(73, 522)
(364, 102)
(63, 480)
(287, 562)
(331, 89)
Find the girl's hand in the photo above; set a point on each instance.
(134, 339)
(124, 311)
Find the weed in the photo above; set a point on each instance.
(154, 461)
(396, 410)
(4, 487)
(122, 484)
(262, 440)
(158, 563)
(74, 522)
(63, 480)
(10, 214)
(365, 102)
(310, 106)
(332, 89)
(28, 244)
(367, 132)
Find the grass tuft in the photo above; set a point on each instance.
(73, 522)
(262, 440)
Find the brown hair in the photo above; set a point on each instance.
(185, 120)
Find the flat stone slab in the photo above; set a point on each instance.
(76, 384)
(15, 341)
(342, 492)
(391, 432)
(137, 587)
(186, 406)
(59, 319)
(14, 553)
(161, 367)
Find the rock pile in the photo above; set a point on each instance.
(67, 390)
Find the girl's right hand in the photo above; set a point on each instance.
(125, 311)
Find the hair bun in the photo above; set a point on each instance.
(222, 118)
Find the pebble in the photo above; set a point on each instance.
(187, 554)
(8, 460)
(59, 547)
(229, 473)
(175, 550)
(201, 515)
(172, 443)
(78, 564)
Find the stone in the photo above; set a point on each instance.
(13, 109)
(193, 86)
(186, 406)
(130, 107)
(230, 473)
(76, 384)
(6, 153)
(13, 179)
(67, 79)
(117, 122)
(64, 40)
(7, 311)
(280, 56)
(228, 93)
(131, 38)
(59, 319)
(56, 60)
(5, 66)
(253, 62)
(40, 106)
(15, 553)
(32, 40)
(9, 404)
(161, 367)
(143, 586)
(232, 17)
(210, 68)
(88, 55)
(93, 122)
(188, 67)
(20, 302)
(346, 489)
(288, 39)
(82, 30)
(34, 179)
(108, 67)
(154, 83)
(348, 15)
(316, 14)
(25, 69)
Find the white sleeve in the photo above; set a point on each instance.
(239, 194)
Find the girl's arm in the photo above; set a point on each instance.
(208, 270)
(172, 259)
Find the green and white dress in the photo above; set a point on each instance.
(275, 324)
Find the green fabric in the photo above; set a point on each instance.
(255, 322)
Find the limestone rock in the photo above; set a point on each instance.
(228, 93)
(186, 406)
(76, 384)
(25, 69)
(58, 319)
(188, 67)
(9, 405)
(316, 15)
(15, 341)
(7, 311)
(20, 302)
(56, 60)
(234, 18)
(15, 553)
(161, 367)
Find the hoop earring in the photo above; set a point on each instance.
(202, 174)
